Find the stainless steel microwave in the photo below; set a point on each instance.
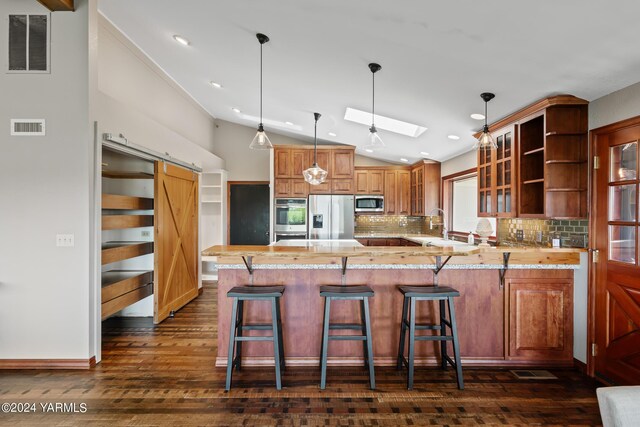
(369, 203)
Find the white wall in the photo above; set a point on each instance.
(45, 189)
(460, 163)
(136, 98)
(619, 105)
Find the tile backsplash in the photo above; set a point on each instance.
(397, 224)
(543, 228)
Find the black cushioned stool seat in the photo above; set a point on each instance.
(355, 293)
(271, 294)
(442, 294)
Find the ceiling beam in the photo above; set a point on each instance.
(58, 5)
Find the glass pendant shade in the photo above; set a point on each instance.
(315, 175)
(485, 140)
(375, 143)
(261, 140)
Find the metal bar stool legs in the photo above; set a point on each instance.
(444, 296)
(357, 293)
(240, 294)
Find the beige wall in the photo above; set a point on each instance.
(619, 105)
(460, 163)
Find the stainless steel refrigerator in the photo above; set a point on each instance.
(331, 217)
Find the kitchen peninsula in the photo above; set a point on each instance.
(515, 308)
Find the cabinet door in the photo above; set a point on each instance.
(390, 192)
(375, 182)
(403, 199)
(324, 161)
(324, 188)
(299, 188)
(299, 162)
(362, 179)
(282, 187)
(363, 242)
(505, 177)
(342, 163)
(282, 159)
(540, 319)
(417, 191)
(431, 187)
(342, 186)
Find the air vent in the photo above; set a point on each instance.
(29, 43)
(27, 127)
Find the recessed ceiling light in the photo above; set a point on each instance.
(385, 123)
(235, 110)
(332, 134)
(181, 40)
(402, 159)
(369, 151)
(288, 123)
(216, 85)
(454, 137)
(477, 116)
(424, 153)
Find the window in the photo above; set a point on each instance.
(460, 193)
(29, 43)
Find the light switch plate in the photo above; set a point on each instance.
(65, 240)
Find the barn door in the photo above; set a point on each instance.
(176, 239)
(617, 298)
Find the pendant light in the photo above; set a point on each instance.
(485, 141)
(375, 142)
(261, 140)
(315, 175)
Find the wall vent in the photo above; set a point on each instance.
(27, 127)
(29, 49)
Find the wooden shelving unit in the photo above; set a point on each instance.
(124, 282)
(213, 211)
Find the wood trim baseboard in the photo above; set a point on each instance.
(580, 366)
(391, 361)
(48, 363)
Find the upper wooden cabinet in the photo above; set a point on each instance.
(540, 167)
(342, 161)
(369, 181)
(497, 176)
(425, 188)
(291, 161)
(397, 192)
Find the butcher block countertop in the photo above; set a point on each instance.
(382, 257)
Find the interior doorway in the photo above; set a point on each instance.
(616, 271)
(248, 213)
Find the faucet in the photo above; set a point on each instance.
(445, 233)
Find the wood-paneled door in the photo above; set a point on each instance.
(176, 239)
(616, 274)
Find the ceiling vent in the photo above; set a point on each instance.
(29, 43)
(27, 127)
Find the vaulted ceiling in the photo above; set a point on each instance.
(436, 57)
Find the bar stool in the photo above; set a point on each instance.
(429, 293)
(353, 293)
(240, 294)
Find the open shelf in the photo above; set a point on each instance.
(534, 151)
(117, 222)
(126, 175)
(118, 303)
(117, 201)
(118, 282)
(555, 162)
(118, 251)
(534, 181)
(551, 190)
(212, 186)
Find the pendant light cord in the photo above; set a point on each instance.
(315, 143)
(373, 103)
(485, 112)
(260, 83)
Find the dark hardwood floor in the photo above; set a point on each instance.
(164, 375)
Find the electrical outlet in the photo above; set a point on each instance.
(520, 235)
(65, 240)
(578, 240)
(539, 236)
(146, 233)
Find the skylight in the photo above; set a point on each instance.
(382, 122)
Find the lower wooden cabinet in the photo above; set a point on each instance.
(540, 319)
